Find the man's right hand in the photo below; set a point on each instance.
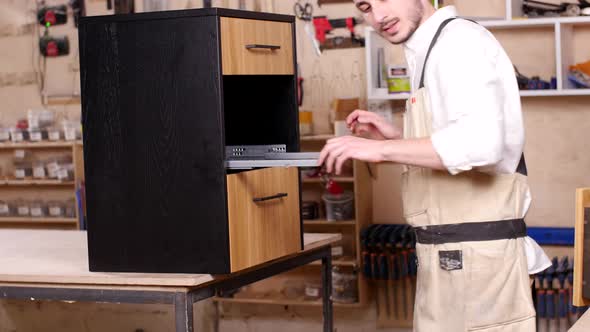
(372, 126)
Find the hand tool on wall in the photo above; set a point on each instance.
(372, 244)
(404, 271)
(242, 4)
(207, 4)
(561, 273)
(550, 298)
(304, 12)
(299, 86)
(324, 26)
(394, 275)
(541, 302)
(384, 265)
(122, 6)
(573, 310)
(367, 268)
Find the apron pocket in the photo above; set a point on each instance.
(414, 188)
(497, 284)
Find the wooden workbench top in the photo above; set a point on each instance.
(61, 257)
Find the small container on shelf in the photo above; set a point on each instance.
(66, 172)
(293, 289)
(23, 169)
(37, 135)
(54, 134)
(4, 209)
(313, 290)
(39, 170)
(70, 208)
(71, 130)
(22, 208)
(339, 203)
(309, 210)
(344, 286)
(4, 134)
(18, 135)
(37, 209)
(22, 155)
(56, 209)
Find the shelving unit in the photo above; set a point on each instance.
(31, 188)
(360, 182)
(564, 33)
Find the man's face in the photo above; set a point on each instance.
(395, 20)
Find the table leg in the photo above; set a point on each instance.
(327, 292)
(183, 312)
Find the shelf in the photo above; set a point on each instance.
(555, 93)
(338, 262)
(533, 22)
(282, 301)
(329, 223)
(316, 138)
(30, 182)
(30, 220)
(336, 179)
(382, 94)
(39, 145)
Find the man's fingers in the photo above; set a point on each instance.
(332, 155)
(340, 160)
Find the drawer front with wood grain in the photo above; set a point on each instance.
(255, 47)
(263, 213)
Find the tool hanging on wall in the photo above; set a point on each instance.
(207, 4)
(324, 26)
(553, 297)
(304, 12)
(53, 15)
(388, 258)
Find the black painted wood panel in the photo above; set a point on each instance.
(154, 145)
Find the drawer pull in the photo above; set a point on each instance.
(268, 198)
(265, 47)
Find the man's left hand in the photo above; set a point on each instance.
(340, 149)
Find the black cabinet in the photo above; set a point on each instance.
(163, 94)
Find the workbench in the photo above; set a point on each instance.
(583, 324)
(53, 266)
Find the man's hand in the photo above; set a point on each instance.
(340, 149)
(371, 125)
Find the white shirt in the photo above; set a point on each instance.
(475, 102)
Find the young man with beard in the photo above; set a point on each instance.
(464, 186)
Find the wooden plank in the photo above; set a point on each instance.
(40, 221)
(60, 257)
(237, 60)
(266, 230)
(39, 145)
(582, 202)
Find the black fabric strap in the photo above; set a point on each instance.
(521, 168)
(472, 231)
(432, 43)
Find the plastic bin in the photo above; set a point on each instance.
(339, 206)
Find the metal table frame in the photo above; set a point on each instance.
(183, 300)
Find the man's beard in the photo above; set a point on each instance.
(414, 19)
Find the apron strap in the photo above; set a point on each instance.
(432, 43)
(471, 231)
(521, 169)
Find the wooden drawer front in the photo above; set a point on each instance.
(267, 229)
(237, 59)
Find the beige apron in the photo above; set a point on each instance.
(490, 292)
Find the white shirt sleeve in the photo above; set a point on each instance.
(470, 92)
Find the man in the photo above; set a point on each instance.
(464, 188)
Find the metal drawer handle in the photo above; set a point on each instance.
(266, 47)
(268, 198)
